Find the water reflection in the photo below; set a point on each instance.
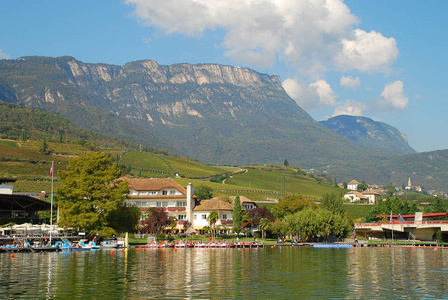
(227, 273)
(398, 271)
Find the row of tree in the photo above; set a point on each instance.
(298, 216)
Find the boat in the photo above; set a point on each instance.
(66, 246)
(153, 244)
(109, 244)
(184, 245)
(93, 245)
(200, 245)
(81, 246)
(165, 244)
(46, 249)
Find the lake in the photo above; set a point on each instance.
(280, 272)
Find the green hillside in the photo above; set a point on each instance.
(28, 127)
(32, 139)
(284, 180)
(157, 165)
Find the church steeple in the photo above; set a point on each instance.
(409, 186)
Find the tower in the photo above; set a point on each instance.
(409, 186)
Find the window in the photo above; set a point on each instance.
(181, 217)
(195, 217)
(164, 192)
(180, 204)
(224, 217)
(204, 217)
(172, 192)
(164, 204)
(159, 204)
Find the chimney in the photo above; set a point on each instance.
(190, 203)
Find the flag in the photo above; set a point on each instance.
(51, 169)
(391, 216)
(400, 218)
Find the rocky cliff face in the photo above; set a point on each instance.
(214, 113)
(369, 133)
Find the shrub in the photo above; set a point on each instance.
(257, 234)
(161, 236)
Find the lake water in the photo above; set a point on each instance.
(283, 273)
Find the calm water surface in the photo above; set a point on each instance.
(284, 273)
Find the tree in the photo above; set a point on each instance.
(438, 206)
(237, 215)
(291, 204)
(286, 163)
(362, 187)
(125, 218)
(226, 198)
(156, 220)
(280, 227)
(333, 203)
(309, 222)
(88, 197)
(203, 192)
(390, 192)
(264, 225)
(43, 147)
(212, 219)
(258, 213)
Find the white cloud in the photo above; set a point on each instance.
(324, 91)
(310, 35)
(392, 97)
(350, 107)
(350, 82)
(4, 55)
(312, 96)
(298, 90)
(367, 52)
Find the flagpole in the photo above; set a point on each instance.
(392, 227)
(51, 209)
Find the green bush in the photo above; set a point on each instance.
(161, 237)
(439, 236)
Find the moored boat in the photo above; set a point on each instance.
(110, 244)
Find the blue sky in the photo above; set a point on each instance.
(381, 59)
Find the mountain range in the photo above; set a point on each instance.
(213, 113)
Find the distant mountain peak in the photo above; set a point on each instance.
(369, 133)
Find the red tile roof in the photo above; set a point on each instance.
(154, 184)
(213, 204)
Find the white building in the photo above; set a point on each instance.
(6, 189)
(164, 193)
(203, 210)
(246, 203)
(373, 197)
(355, 196)
(352, 185)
